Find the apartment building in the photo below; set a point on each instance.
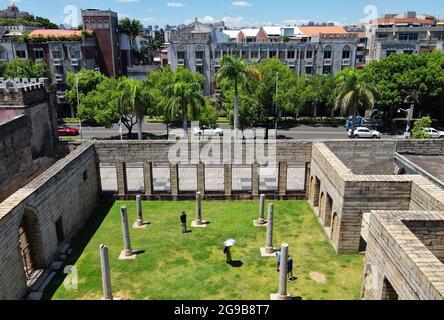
(404, 33)
(306, 50)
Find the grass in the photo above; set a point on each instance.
(192, 266)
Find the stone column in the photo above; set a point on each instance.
(201, 178)
(148, 178)
(106, 274)
(282, 179)
(282, 294)
(269, 245)
(307, 179)
(139, 220)
(262, 209)
(126, 234)
(174, 179)
(122, 185)
(255, 179)
(228, 179)
(198, 208)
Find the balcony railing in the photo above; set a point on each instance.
(57, 62)
(328, 62)
(309, 62)
(199, 62)
(180, 62)
(345, 62)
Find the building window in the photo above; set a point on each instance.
(382, 36)
(57, 54)
(408, 36)
(38, 53)
(291, 54)
(3, 54)
(236, 53)
(99, 24)
(254, 54)
(346, 53)
(199, 54)
(217, 54)
(309, 70)
(408, 51)
(272, 54)
(200, 69)
(389, 52)
(106, 24)
(326, 70)
(327, 53)
(93, 24)
(59, 70)
(21, 54)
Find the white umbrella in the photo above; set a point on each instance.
(230, 243)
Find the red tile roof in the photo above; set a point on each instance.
(310, 31)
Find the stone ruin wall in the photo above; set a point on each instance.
(68, 190)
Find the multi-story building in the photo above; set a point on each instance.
(403, 33)
(63, 51)
(306, 50)
(105, 25)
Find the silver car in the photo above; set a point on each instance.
(367, 133)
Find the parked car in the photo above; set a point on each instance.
(361, 132)
(434, 133)
(208, 132)
(66, 131)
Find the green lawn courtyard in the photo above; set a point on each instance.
(192, 266)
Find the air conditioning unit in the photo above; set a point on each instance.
(327, 62)
(309, 62)
(345, 62)
(58, 77)
(74, 62)
(180, 62)
(57, 62)
(199, 62)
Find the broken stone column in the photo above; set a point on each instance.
(126, 234)
(269, 244)
(106, 273)
(198, 208)
(262, 209)
(282, 294)
(139, 221)
(199, 223)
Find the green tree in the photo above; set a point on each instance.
(132, 28)
(87, 80)
(418, 131)
(21, 68)
(209, 115)
(237, 71)
(397, 75)
(284, 99)
(354, 92)
(186, 98)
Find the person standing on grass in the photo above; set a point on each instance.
(228, 253)
(278, 255)
(290, 268)
(183, 221)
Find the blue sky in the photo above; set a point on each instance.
(235, 12)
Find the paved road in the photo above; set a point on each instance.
(294, 132)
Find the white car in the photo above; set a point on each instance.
(208, 132)
(434, 133)
(362, 132)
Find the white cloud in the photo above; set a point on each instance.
(236, 22)
(176, 4)
(207, 19)
(241, 4)
(296, 21)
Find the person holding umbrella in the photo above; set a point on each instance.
(227, 247)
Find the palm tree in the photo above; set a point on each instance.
(139, 97)
(354, 92)
(132, 28)
(238, 71)
(186, 97)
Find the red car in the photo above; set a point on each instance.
(65, 131)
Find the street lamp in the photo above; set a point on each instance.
(412, 98)
(78, 104)
(276, 111)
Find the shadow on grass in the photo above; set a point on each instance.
(236, 264)
(298, 298)
(79, 243)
